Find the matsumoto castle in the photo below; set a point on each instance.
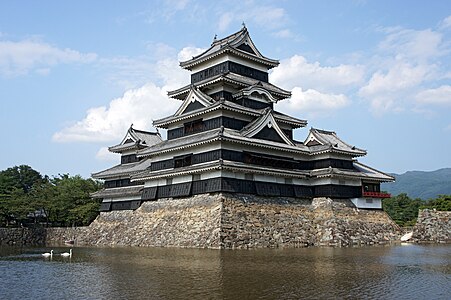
(227, 137)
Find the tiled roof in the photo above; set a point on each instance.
(118, 192)
(231, 44)
(136, 139)
(371, 172)
(361, 171)
(182, 142)
(230, 106)
(329, 141)
(239, 80)
(122, 170)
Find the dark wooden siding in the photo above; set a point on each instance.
(135, 204)
(206, 156)
(331, 162)
(246, 48)
(269, 134)
(121, 205)
(175, 133)
(222, 95)
(119, 183)
(149, 193)
(131, 158)
(193, 106)
(206, 186)
(248, 72)
(253, 103)
(229, 66)
(162, 165)
(267, 189)
(200, 125)
(303, 191)
(105, 206)
(233, 185)
(238, 186)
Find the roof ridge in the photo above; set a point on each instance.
(323, 131)
(230, 36)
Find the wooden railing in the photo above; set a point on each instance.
(376, 194)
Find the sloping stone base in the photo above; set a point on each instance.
(432, 227)
(224, 221)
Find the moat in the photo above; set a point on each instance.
(380, 272)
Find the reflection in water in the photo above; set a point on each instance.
(410, 271)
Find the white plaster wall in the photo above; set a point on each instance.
(155, 182)
(340, 181)
(127, 152)
(181, 179)
(369, 203)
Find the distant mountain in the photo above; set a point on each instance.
(419, 184)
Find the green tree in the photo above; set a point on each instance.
(443, 203)
(72, 203)
(18, 177)
(64, 200)
(402, 209)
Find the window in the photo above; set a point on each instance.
(182, 161)
(168, 181)
(196, 177)
(194, 126)
(249, 176)
(371, 187)
(288, 180)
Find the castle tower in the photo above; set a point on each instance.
(226, 136)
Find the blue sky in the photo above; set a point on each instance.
(74, 76)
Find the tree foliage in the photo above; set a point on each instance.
(404, 210)
(64, 200)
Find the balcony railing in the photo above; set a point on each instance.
(376, 195)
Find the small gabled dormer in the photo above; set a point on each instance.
(133, 141)
(266, 127)
(193, 101)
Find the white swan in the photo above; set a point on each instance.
(65, 254)
(47, 254)
(406, 237)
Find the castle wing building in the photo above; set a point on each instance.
(226, 136)
(119, 192)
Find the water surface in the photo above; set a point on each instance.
(391, 272)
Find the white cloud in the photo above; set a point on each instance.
(138, 105)
(224, 21)
(398, 77)
(446, 23)
(188, 53)
(101, 124)
(284, 34)
(296, 71)
(405, 63)
(264, 16)
(312, 103)
(268, 16)
(438, 96)
(19, 58)
(418, 45)
(105, 155)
